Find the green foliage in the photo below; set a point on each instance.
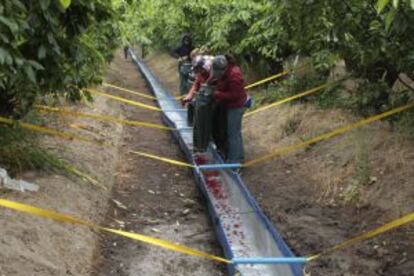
(371, 98)
(406, 123)
(52, 47)
(289, 87)
(19, 152)
(374, 38)
(275, 29)
(362, 166)
(65, 3)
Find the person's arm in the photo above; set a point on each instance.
(191, 93)
(196, 86)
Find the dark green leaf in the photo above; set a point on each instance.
(9, 23)
(30, 73)
(389, 18)
(3, 55)
(44, 4)
(35, 65)
(41, 53)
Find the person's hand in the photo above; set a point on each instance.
(182, 59)
(186, 100)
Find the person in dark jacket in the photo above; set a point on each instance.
(184, 50)
(126, 49)
(182, 53)
(230, 92)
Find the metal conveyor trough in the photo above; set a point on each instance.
(242, 228)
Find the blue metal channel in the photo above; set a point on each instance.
(264, 242)
(214, 167)
(280, 260)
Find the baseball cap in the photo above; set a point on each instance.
(202, 62)
(219, 66)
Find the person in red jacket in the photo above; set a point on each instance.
(230, 92)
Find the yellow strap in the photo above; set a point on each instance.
(102, 117)
(297, 96)
(146, 239)
(168, 245)
(140, 94)
(368, 235)
(163, 159)
(266, 80)
(338, 131)
(137, 93)
(60, 134)
(130, 91)
(63, 135)
(79, 126)
(84, 176)
(120, 99)
(252, 85)
(70, 136)
(274, 77)
(186, 250)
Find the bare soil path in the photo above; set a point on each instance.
(152, 198)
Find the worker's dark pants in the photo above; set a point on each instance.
(210, 120)
(234, 135)
(220, 129)
(190, 106)
(190, 113)
(184, 70)
(202, 126)
(203, 116)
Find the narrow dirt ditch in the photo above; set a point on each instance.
(152, 198)
(303, 193)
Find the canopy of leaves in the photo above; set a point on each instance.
(60, 46)
(52, 46)
(375, 37)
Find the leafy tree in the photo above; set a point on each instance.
(375, 38)
(51, 46)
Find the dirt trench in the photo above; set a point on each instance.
(303, 193)
(152, 198)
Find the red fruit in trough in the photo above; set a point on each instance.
(200, 160)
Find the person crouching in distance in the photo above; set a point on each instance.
(199, 104)
(182, 53)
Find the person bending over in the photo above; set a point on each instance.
(199, 100)
(229, 91)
